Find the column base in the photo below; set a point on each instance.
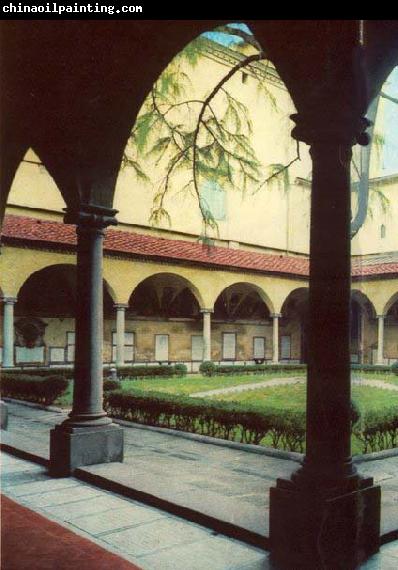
(323, 531)
(73, 447)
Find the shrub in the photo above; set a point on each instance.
(355, 413)
(111, 385)
(180, 370)
(371, 368)
(378, 430)
(394, 368)
(153, 371)
(33, 388)
(67, 373)
(208, 368)
(225, 420)
(211, 369)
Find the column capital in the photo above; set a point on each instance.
(276, 315)
(207, 310)
(91, 217)
(8, 300)
(328, 125)
(120, 306)
(381, 316)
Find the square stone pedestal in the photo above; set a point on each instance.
(72, 447)
(310, 530)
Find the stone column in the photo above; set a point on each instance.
(88, 436)
(206, 334)
(380, 339)
(326, 515)
(275, 337)
(8, 332)
(120, 329)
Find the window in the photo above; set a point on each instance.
(285, 347)
(129, 343)
(382, 231)
(70, 347)
(229, 346)
(161, 347)
(245, 77)
(197, 347)
(259, 347)
(57, 354)
(212, 198)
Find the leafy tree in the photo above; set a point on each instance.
(209, 136)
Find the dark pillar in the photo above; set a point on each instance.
(327, 516)
(88, 436)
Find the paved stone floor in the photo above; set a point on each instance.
(228, 483)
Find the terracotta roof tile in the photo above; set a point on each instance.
(26, 229)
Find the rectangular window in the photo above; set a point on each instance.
(229, 346)
(162, 347)
(285, 347)
(197, 347)
(129, 344)
(25, 355)
(57, 354)
(212, 199)
(70, 347)
(259, 347)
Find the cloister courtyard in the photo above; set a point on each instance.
(199, 290)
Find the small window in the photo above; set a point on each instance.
(212, 199)
(162, 347)
(229, 346)
(285, 347)
(382, 231)
(245, 77)
(258, 347)
(197, 347)
(70, 346)
(129, 343)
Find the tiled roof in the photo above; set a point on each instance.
(43, 232)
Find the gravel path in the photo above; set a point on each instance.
(286, 382)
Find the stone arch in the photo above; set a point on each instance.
(294, 325)
(243, 282)
(391, 301)
(363, 300)
(237, 297)
(170, 287)
(68, 272)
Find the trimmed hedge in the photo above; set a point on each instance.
(371, 368)
(377, 430)
(111, 385)
(394, 368)
(153, 371)
(67, 373)
(211, 369)
(32, 388)
(224, 420)
(122, 372)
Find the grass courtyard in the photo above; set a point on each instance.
(282, 398)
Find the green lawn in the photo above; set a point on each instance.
(383, 377)
(198, 383)
(292, 397)
(187, 385)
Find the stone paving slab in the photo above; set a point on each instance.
(145, 536)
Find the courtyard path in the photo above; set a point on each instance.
(286, 382)
(193, 474)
